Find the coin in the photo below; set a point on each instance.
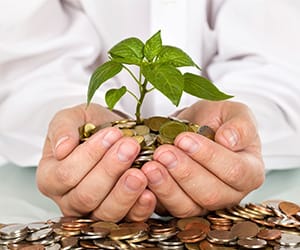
(155, 122)
(289, 208)
(245, 229)
(207, 132)
(269, 234)
(221, 237)
(171, 129)
(252, 243)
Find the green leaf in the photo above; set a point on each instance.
(165, 78)
(101, 75)
(153, 46)
(202, 88)
(175, 56)
(112, 96)
(129, 51)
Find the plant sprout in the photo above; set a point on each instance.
(158, 70)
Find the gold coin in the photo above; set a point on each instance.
(128, 132)
(155, 122)
(172, 128)
(141, 130)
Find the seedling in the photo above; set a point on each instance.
(158, 69)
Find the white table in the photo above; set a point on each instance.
(20, 200)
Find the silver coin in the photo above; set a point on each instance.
(55, 246)
(38, 235)
(13, 229)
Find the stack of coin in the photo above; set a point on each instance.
(234, 228)
(153, 132)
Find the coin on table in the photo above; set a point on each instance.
(191, 235)
(206, 245)
(252, 243)
(269, 234)
(289, 208)
(245, 229)
(39, 234)
(221, 237)
(291, 240)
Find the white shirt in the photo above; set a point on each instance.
(49, 49)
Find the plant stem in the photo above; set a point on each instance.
(143, 91)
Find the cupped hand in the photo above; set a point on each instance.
(197, 174)
(93, 178)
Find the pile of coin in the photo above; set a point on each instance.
(268, 225)
(153, 132)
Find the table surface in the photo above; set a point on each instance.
(21, 201)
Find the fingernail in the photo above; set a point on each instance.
(133, 182)
(110, 138)
(168, 159)
(126, 151)
(188, 144)
(230, 136)
(154, 176)
(60, 141)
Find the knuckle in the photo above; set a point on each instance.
(210, 200)
(209, 155)
(235, 173)
(90, 154)
(185, 175)
(85, 200)
(65, 177)
(188, 211)
(106, 216)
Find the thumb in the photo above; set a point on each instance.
(63, 132)
(238, 132)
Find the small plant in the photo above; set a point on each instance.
(158, 69)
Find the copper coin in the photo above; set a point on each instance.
(88, 244)
(204, 227)
(69, 242)
(182, 223)
(123, 233)
(269, 234)
(32, 247)
(289, 208)
(205, 245)
(190, 234)
(245, 229)
(100, 231)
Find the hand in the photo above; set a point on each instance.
(93, 178)
(196, 174)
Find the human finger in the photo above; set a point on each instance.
(97, 184)
(240, 170)
(201, 185)
(58, 177)
(168, 191)
(122, 197)
(63, 129)
(143, 207)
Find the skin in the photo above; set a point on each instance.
(185, 179)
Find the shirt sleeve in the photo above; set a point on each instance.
(46, 50)
(258, 62)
